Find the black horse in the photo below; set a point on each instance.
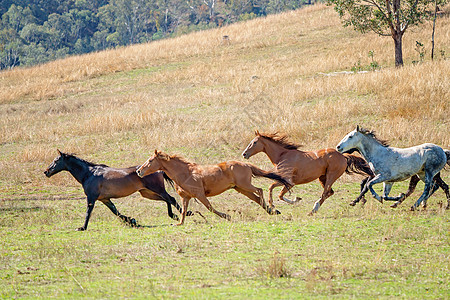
(102, 183)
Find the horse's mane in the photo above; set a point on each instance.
(71, 155)
(166, 156)
(280, 139)
(371, 133)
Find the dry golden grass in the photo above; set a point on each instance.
(194, 96)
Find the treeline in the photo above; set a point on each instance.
(37, 31)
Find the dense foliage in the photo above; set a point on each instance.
(37, 31)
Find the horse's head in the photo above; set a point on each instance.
(152, 164)
(254, 147)
(351, 142)
(57, 165)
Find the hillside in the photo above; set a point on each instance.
(202, 98)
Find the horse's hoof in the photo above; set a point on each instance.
(189, 213)
(175, 217)
(274, 212)
(413, 208)
(81, 229)
(352, 203)
(394, 205)
(311, 214)
(133, 223)
(297, 199)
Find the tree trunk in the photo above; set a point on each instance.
(434, 27)
(398, 50)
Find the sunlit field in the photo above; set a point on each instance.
(202, 98)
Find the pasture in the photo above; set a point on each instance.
(202, 99)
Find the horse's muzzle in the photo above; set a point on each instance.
(245, 155)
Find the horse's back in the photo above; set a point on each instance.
(425, 151)
(405, 162)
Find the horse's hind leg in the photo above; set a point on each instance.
(154, 196)
(363, 191)
(444, 186)
(412, 186)
(429, 185)
(114, 210)
(259, 200)
(440, 183)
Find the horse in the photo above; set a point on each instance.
(200, 181)
(392, 165)
(102, 183)
(304, 166)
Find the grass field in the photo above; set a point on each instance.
(202, 99)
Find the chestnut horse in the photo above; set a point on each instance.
(102, 183)
(196, 181)
(305, 166)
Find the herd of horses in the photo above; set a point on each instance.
(377, 161)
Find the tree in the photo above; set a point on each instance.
(384, 17)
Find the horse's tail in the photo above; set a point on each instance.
(168, 180)
(447, 152)
(358, 165)
(261, 173)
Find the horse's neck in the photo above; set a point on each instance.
(78, 168)
(176, 169)
(371, 150)
(274, 151)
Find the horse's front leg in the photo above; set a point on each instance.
(377, 179)
(184, 209)
(114, 210)
(171, 200)
(387, 190)
(90, 207)
(271, 187)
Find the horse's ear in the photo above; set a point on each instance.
(257, 132)
(60, 153)
(357, 128)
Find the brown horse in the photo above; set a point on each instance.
(103, 183)
(305, 166)
(196, 181)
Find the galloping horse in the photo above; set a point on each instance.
(304, 166)
(396, 164)
(102, 183)
(196, 181)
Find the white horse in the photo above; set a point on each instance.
(396, 164)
